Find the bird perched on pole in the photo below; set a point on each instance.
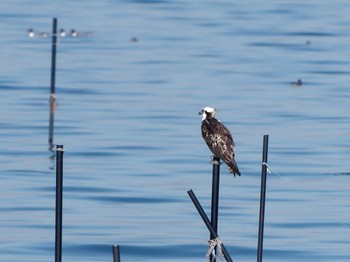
(218, 139)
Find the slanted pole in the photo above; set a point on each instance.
(207, 222)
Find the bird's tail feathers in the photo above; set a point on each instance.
(233, 168)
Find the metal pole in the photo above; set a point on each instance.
(53, 54)
(207, 222)
(59, 185)
(52, 86)
(215, 199)
(116, 253)
(262, 199)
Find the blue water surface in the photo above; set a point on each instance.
(127, 116)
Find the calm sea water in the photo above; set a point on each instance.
(127, 117)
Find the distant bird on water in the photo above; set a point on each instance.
(74, 33)
(133, 39)
(63, 33)
(32, 34)
(297, 83)
(218, 139)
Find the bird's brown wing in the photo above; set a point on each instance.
(220, 142)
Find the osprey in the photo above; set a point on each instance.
(218, 139)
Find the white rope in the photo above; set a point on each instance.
(212, 244)
(271, 171)
(267, 167)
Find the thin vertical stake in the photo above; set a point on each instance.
(53, 54)
(59, 196)
(116, 253)
(262, 199)
(52, 86)
(215, 199)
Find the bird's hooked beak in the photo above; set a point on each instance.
(203, 114)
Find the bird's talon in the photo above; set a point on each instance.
(213, 161)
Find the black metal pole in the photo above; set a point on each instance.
(116, 253)
(59, 196)
(215, 199)
(262, 199)
(207, 222)
(53, 54)
(52, 86)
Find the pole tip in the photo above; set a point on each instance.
(59, 148)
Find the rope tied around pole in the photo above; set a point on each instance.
(271, 171)
(212, 244)
(268, 169)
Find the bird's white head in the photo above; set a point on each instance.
(207, 112)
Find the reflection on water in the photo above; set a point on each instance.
(127, 117)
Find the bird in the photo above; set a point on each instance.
(297, 83)
(63, 33)
(31, 34)
(133, 39)
(218, 139)
(74, 33)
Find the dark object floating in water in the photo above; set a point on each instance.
(307, 42)
(297, 83)
(343, 174)
(133, 39)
